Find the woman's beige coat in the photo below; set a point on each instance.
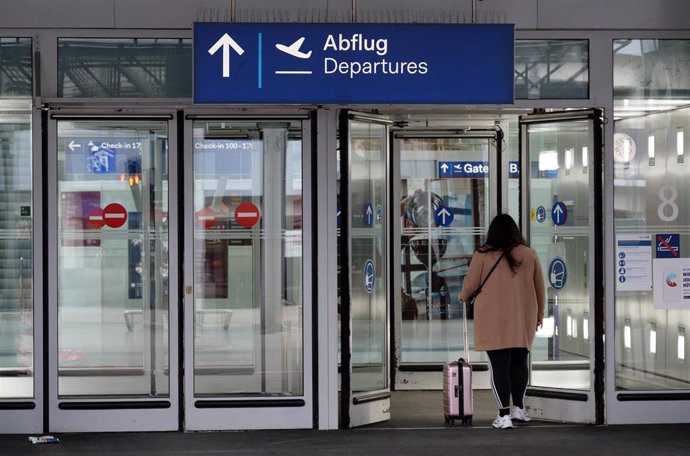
(509, 305)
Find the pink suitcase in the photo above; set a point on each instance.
(457, 392)
(457, 386)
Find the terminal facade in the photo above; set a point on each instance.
(208, 233)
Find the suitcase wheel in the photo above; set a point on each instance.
(450, 421)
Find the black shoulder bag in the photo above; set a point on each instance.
(471, 299)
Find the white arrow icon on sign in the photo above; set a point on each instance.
(226, 43)
(72, 145)
(444, 168)
(559, 212)
(444, 213)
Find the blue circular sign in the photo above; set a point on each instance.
(443, 216)
(559, 213)
(558, 273)
(369, 275)
(541, 214)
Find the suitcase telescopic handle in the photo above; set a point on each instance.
(464, 332)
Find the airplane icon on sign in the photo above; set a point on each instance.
(293, 49)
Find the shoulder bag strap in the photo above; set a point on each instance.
(488, 275)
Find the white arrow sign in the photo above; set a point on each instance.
(226, 43)
(72, 145)
(444, 213)
(558, 213)
(444, 168)
(369, 213)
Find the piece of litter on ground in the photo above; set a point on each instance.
(44, 439)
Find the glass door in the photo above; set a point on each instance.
(21, 327)
(562, 220)
(649, 375)
(112, 314)
(363, 252)
(448, 191)
(247, 304)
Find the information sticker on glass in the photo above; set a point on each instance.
(634, 262)
(672, 283)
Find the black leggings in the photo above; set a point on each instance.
(509, 374)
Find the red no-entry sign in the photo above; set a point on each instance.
(94, 218)
(206, 217)
(114, 215)
(247, 214)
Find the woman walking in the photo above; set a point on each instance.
(507, 313)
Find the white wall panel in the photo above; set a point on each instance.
(168, 14)
(618, 14)
(522, 13)
(183, 13)
(56, 14)
(526, 14)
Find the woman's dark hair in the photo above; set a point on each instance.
(503, 235)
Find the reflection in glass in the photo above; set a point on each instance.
(248, 302)
(650, 200)
(16, 246)
(112, 248)
(650, 75)
(124, 67)
(651, 86)
(561, 239)
(551, 69)
(443, 216)
(15, 61)
(369, 304)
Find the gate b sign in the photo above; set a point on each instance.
(353, 63)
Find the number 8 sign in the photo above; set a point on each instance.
(669, 201)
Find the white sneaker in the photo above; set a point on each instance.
(502, 422)
(519, 414)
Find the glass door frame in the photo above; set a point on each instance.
(116, 414)
(414, 375)
(559, 403)
(359, 409)
(228, 412)
(22, 415)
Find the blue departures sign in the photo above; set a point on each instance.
(353, 63)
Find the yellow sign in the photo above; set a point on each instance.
(533, 214)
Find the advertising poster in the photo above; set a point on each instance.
(672, 283)
(74, 207)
